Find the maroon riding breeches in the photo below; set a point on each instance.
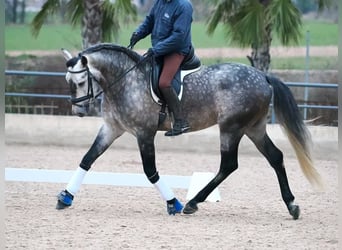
(170, 68)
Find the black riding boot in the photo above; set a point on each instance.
(181, 125)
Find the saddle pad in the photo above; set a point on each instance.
(178, 88)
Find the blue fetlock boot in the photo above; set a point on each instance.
(174, 206)
(64, 199)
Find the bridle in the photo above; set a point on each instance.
(90, 93)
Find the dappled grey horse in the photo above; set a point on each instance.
(234, 96)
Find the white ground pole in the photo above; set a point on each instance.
(192, 183)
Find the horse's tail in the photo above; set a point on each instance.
(290, 119)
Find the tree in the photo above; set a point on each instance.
(253, 22)
(99, 19)
(11, 11)
(306, 6)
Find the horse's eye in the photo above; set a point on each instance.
(81, 84)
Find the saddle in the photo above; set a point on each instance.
(190, 64)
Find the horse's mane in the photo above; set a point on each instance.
(113, 47)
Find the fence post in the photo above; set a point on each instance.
(307, 67)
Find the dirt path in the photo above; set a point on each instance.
(320, 51)
(250, 215)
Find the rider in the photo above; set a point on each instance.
(169, 23)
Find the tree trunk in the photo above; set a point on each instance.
(14, 11)
(22, 11)
(260, 56)
(63, 10)
(91, 23)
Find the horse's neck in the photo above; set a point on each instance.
(120, 74)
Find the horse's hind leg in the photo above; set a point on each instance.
(103, 140)
(229, 163)
(275, 157)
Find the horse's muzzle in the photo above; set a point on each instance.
(80, 110)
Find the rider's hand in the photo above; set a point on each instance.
(149, 53)
(134, 39)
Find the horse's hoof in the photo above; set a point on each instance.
(61, 205)
(64, 199)
(294, 211)
(190, 208)
(174, 207)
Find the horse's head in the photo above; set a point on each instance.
(83, 80)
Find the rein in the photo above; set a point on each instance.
(90, 93)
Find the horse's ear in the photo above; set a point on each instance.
(84, 61)
(67, 55)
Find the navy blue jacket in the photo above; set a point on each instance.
(169, 23)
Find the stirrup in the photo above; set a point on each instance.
(180, 127)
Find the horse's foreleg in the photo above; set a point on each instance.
(275, 157)
(229, 163)
(103, 140)
(147, 152)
